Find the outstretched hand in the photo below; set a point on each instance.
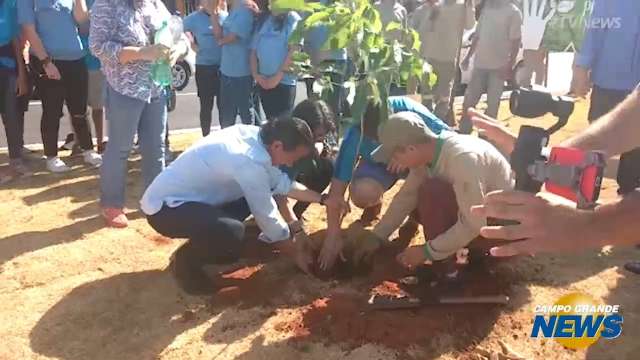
(498, 134)
(547, 222)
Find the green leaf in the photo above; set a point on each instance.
(394, 25)
(279, 5)
(295, 5)
(317, 18)
(416, 40)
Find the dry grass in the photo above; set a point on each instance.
(72, 289)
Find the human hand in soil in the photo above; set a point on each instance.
(548, 222)
(412, 256)
(502, 137)
(303, 255)
(331, 249)
(338, 203)
(366, 247)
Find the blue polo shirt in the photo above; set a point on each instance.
(271, 43)
(55, 25)
(8, 21)
(235, 56)
(349, 147)
(199, 24)
(611, 47)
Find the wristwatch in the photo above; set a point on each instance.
(46, 61)
(323, 199)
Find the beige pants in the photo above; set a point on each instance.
(482, 80)
(446, 72)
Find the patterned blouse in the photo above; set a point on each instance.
(114, 25)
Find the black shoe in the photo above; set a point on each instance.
(187, 270)
(633, 266)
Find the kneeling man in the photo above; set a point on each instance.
(449, 173)
(207, 193)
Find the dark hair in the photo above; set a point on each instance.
(316, 113)
(291, 131)
(372, 119)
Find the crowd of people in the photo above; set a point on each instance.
(102, 54)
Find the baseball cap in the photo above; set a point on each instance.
(403, 128)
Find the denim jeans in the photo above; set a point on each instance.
(71, 89)
(236, 99)
(128, 116)
(278, 101)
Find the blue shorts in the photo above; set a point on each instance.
(377, 172)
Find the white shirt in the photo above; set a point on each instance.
(223, 167)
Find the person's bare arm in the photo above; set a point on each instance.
(552, 224)
(218, 33)
(615, 132)
(80, 11)
(192, 41)
(22, 85)
(31, 35)
(334, 217)
(285, 209)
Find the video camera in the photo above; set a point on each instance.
(571, 173)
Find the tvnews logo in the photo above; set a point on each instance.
(577, 321)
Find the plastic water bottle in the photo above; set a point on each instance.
(168, 35)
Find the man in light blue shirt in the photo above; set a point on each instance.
(207, 193)
(610, 59)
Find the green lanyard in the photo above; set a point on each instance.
(436, 156)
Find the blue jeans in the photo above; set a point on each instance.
(236, 99)
(126, 116)
(278, 101)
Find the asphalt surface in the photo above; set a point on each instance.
(186, 115)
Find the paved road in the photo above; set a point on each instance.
(186, 114)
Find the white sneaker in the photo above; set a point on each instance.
(92, 158)
(55, 165)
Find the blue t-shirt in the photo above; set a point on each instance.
(235, 56)
(8, 21)
(349, 148)
(55, 25)
(272, 46)
(199, 24)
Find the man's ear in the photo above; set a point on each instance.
(276, 145)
